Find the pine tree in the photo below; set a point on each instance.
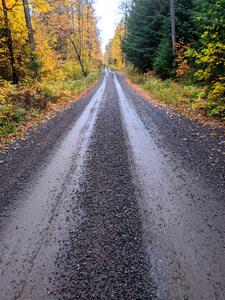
(148, 42)
(144, 33)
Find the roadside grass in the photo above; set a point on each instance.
(25, 105)
(172, 93)
(183, 96)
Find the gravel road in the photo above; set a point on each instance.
(114, 198)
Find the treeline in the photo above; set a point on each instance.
(49, 54)
(200, 43)
(42, 39)
(113, 53)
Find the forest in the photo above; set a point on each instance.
(187, 71)
(49, 53)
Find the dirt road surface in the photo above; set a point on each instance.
(114, 198)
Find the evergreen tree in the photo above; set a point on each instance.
(163, 60)
(144, 33)
(148, 42)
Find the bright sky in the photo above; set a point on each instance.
(108, 13)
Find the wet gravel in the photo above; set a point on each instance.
(197, 147)
(20, 162)
(104, 257)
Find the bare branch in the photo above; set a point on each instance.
(11, 8)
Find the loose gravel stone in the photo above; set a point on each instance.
(93, 229)
(197, 147)
(22, 159)
(105, 258)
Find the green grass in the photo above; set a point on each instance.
(172, 93)
(184, 96)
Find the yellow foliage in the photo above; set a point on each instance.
(41, 6)
(218, 89)
(19, 36)
(40, 58)
(51, 65)
(5, 89)
(114, 54)
(117, 54)
(55, 24)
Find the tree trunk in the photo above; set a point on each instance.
(29, 26)
(173, 26)
(9, 42)
(88, 34)
(79, 58)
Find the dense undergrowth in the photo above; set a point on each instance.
(23, 103)
(185, 96)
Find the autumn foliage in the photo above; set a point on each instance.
(114, 54)
(62, 30)
(49, 49)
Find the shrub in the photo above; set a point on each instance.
(26, 102)
(72, 70)
(170, 92)
(184, 97)
(5, 90)
(209, 56)
(10, 117)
